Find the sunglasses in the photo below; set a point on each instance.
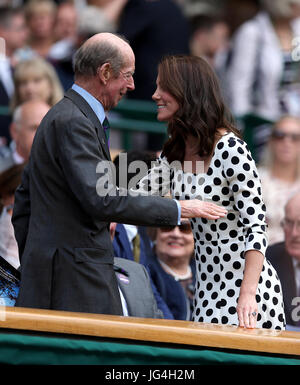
(183, 227)
(279, 135)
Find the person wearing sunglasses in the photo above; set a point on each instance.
(172, 268)
(279, 171)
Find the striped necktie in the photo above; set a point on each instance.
(106, 128)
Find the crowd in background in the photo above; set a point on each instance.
(251, 44)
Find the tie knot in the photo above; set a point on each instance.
(105, 124)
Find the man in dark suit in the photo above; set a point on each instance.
(135, 286)
(285, 257)
(63, 209)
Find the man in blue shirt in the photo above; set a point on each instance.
(63, 208)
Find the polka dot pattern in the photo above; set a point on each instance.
(232, 181)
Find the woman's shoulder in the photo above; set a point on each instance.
(232, 145)
(229, 141)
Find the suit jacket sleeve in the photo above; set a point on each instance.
(90, 177)
(21, 212)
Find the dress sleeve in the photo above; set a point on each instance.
(244, 182)
(157, 181)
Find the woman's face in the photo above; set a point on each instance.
(41, 23)
(167, 105)
(285, 141)
(175, 243)
(35, 87)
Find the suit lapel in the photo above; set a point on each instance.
(125, 285)
(89, 113)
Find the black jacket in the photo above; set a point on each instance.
(283, 264)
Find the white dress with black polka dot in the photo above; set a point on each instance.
(231, 181)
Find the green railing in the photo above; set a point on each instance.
(132, 116)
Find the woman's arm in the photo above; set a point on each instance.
(247, 299)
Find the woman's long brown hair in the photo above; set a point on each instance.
(194, 85)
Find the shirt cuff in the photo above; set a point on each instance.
(179, 212)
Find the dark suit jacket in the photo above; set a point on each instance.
(62, 224)
(135, 285)
(122, 248)
(282, 262)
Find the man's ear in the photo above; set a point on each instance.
(13, 131)
(105, 72)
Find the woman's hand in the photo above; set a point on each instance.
(247, 310)
(200, 209)
(247, 305)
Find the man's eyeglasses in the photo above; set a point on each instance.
(290, 225)
(128, 76)
(279, 135)
(183, 227)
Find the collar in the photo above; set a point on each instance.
(95, 105)
(296, 263)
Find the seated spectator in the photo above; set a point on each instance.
(26, 119)
(13, 31)
(91, 20)
(36, 79)
(135, 287)
(9, 181)
(279, 171)
(285, 257)
(172, 268)
(254, 87)
(132, 242)
(40, 18)
(65, 26)
(209, 38)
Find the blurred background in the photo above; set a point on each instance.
(252, 45)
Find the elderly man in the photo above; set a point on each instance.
(26, 119)
(285, 257)
(63, 209)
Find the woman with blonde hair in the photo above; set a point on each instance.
(40, 19)
(279, 170)
(36, 79)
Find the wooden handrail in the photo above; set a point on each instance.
(151, 330)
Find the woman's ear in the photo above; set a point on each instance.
(104, 72)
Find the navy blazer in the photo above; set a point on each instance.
(171, 290)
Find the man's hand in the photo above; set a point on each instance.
(199, 209)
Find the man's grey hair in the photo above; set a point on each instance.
(290, 197)
(89, 57)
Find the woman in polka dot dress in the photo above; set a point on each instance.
(235, 285)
